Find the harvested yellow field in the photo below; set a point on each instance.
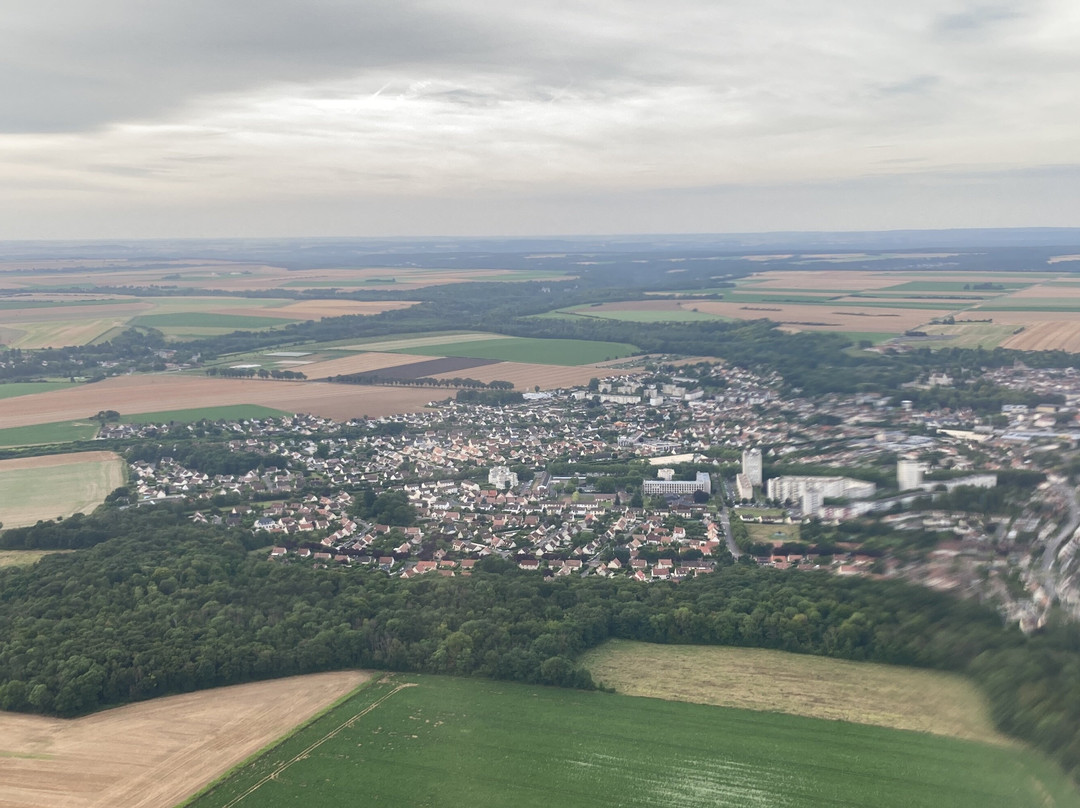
(822, 318)
(50, 334)
(51, 486)
(526, 377)
(1045, 291)
(798, 684)
(1051, 335)
(421, 342)
(157, 753)
(129, 395)
(359, 363)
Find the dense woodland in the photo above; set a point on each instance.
(162, 606)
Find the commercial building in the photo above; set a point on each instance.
(502, 477)
(668, 485)
(909, 474)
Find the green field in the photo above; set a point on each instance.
(204, 319)
(229, 412)
(956, 286)
(637, 315)
(525, 349)
(30, 494)
(478, 743)
(39, 434)
(771, 533)
(15, 389)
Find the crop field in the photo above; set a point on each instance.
(638, 311)
(132, 395)
(352, 363)
(1063, 335)
(405, 341)
(14, 389)
(24, 558)
(798, 684)
(438, 741)
(33, 488)
(822, 317)
(529, 350)
(56, 320)
(444, 366)
(235, 412)
(46, 433)
(969, 335)
(154, 754)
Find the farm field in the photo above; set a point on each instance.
(440, 741)
(824, 317)
(157, 753)
(239, 276)
(529, 350)
(1049, 335)
(798, 684)
(45, 433)
(637, 311)
(525, 376)
(24, 558)
(235, 412)
(132, 395)
(14, 389)
(34, 488)
(52, 321)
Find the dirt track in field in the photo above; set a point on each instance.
(156, 753)
(130, 395)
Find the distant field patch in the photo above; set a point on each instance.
(970, 335)
(798, 684)
(197, 319)
(374, 362)
(15, 389)
(639, 311)
(526, 377)
(444, 365)
(24, 558)
(422, 341)
(157, 753)
(33, 488)
(233, 412)
(803, 317)
(42, 434)
(440, 741)
(540, 351)
(1054, 335)
(987, 286)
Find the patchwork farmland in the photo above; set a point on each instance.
(428, 740)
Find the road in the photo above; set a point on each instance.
(725, 522)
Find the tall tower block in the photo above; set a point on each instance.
(751, 465)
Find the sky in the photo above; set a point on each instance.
(203, 118)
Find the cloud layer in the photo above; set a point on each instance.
(282, 117)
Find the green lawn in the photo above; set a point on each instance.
(478, 743)
(60, 432)
(539, 351)
(14, 389)
(230, 412)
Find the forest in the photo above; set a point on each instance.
(163, 606)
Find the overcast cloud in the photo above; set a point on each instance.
(331, 117)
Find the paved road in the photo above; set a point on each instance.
(725, 522)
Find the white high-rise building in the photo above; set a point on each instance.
(909, 474)
(751, 466)
(502, 477)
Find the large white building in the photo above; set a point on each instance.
(667, 485)
(795, 488)
(909, 474)
(502, 477)
(751, 466)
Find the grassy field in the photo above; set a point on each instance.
(233, 412)
(771, 533)
(538, 351)
(797, 684)
(633, 315)
(14, 389)
(204, 319)
(40, 434)
(434, 741)
(24, 558)
(750, 513)
(56, 485)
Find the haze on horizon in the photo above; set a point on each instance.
(126, 119)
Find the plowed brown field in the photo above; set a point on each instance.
(157, 753)
(137, 394)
